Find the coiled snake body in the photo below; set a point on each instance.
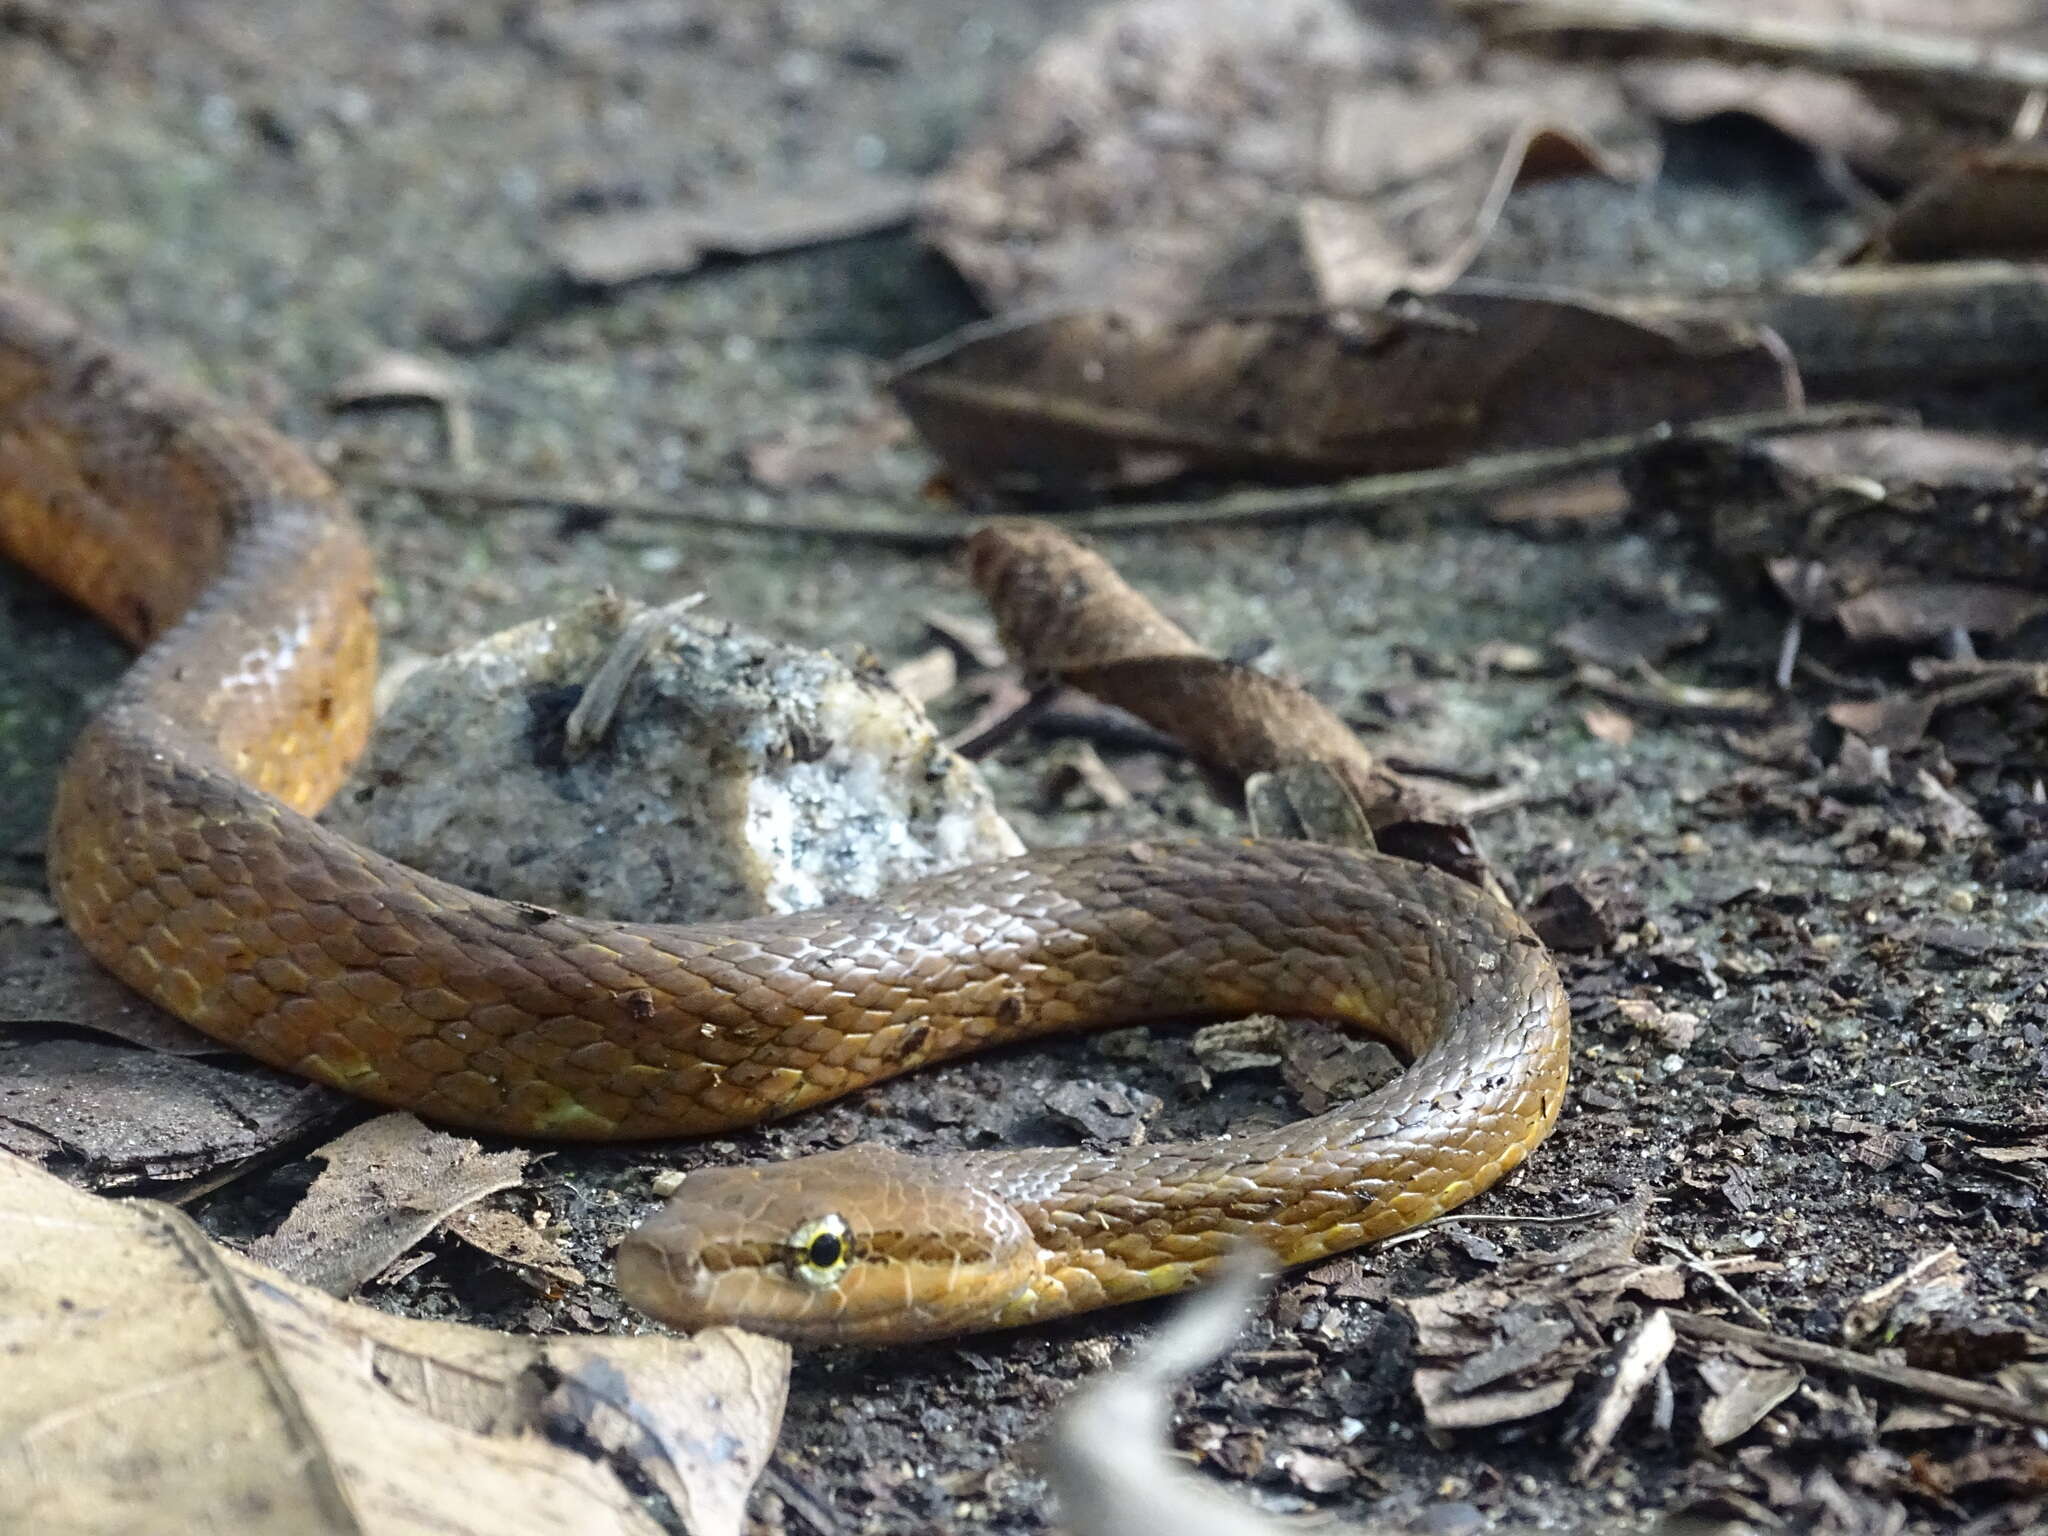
(182, 855)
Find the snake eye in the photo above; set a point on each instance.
(819, 1251)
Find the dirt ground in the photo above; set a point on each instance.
(267, 197)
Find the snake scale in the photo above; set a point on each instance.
(183, 855)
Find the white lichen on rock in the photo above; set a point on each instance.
(738, 775)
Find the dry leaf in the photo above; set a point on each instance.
(1064, 611)
(172, 1386)
(111, 1115)
(1993, 202)
(387, 1184)
(1866, 503)
(610, 249)
(1511, 1345)
(1742, 1394)
(1637, 1363)
(511, 1240)
(1082, 403)
(1174, 153)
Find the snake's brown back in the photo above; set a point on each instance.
(183, 857)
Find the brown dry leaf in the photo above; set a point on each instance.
(387, 1184)
(1064, 611)
(507, 1238)
(610, 249)
(1624, 635)
(232, 1398)
(1421, 208)
(1742, 1392)
(1265, 149)
(1992, 202)
(1868, 504)
(1078, 404)
(1511, 1345)
(1941, 1271)
(110, 1116)
(1928, 610)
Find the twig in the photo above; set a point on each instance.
(1714, 1277)
(1943, 1388)
(1480, 476)
(1676, 26)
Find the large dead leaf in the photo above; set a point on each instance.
(110, 1115)
(1097, 400)
(1170, 149)
(157, 1383)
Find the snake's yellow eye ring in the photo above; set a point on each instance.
(820, 1250)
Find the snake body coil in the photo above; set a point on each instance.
(182, 856)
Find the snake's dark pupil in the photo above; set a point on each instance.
(825, 1250)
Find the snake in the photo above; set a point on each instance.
(184, 855)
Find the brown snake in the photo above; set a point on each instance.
(182, 855)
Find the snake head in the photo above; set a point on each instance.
(861, 1246)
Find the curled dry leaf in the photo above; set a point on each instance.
(1078, 404)
(1637, 1364)
(235, 1398)
(1064, 611)
(387, 1184)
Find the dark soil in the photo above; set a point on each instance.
(266, 197)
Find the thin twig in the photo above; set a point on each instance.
(1714, 1277)
(1290, 504)
(1943, 1388)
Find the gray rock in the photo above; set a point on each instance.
(707, 773)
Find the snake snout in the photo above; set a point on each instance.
(863, 1245)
